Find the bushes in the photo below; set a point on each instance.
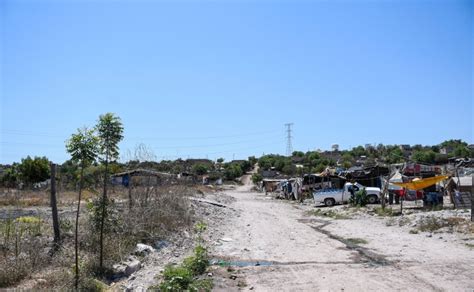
(176, 278)
(256, 177)
(233, 171)
(359, 199)
(199, 169)
(185, 276)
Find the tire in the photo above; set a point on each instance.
(329, 202)
(372, 199)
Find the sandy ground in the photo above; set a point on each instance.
(273, 246)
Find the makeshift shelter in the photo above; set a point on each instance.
(369, 176)
(322, 180)
(419, 184)
(464, 185)
(141, 177)
(271, 185)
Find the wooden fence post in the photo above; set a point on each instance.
(472, 204)
(54, 207)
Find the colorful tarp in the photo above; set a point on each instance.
(421, 183)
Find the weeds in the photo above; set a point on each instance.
(157, 212)
(413, 231)
(328, 214)
(404, 221)
(387, 212)
(355, 240)
(432, 223)
(184, 277)
(20, 253)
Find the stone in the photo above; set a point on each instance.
(118, 270)
(41, 281)
(133, 265)
(143, 249)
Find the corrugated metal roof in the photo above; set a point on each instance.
(464, 181)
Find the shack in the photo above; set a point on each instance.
(323, 180)
(368, 176)
(142, 177)
(271, 185)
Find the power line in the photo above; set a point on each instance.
(55, 135)
(289, 147)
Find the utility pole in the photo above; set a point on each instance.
(54, 206)
(289, 147)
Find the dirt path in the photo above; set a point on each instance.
(271, 245)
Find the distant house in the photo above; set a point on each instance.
(404, 147)
(446, 150)
(369, 146)
(297, 159)
(270, 173)
(140, 176)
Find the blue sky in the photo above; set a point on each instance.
(221, 78)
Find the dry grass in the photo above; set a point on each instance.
(328, 214)
(22, 245)
(156, 213)
(30, 198)
(432, 223)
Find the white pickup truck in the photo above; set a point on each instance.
(330, 197)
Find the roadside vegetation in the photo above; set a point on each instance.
(95, 234)
(187, 276)
(356, 241)
(328, 214)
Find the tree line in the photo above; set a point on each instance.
(316, 161)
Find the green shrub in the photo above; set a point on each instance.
(176, 278)
(201, 285)
(359, 199)
(256, 177)
(198, 263)
(184, 276)
(199, 169)
(233, 171)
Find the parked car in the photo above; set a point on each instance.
(330, 197)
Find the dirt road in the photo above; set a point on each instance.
(273, 246)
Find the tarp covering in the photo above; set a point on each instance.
(421, 183)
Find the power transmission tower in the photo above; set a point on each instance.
(289, 147)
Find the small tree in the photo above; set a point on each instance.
(110, 133)
(256, 178)
(233, 171)
(199, 169)
(33, 170)
(83, 149)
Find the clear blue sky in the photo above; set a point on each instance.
(221, 78)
